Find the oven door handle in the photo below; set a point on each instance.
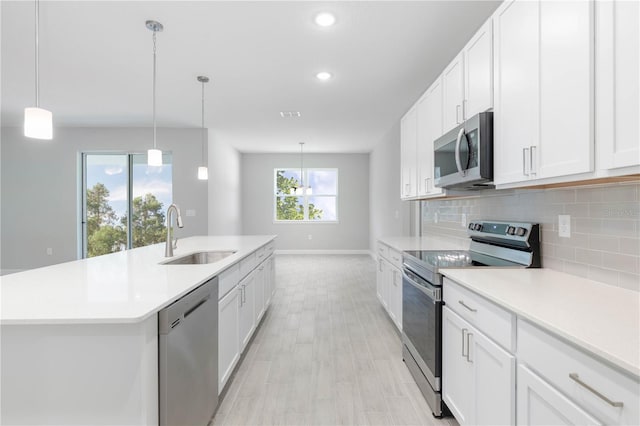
(431, 293)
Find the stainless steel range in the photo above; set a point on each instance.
(494, 244)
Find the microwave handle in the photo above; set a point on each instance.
(463, 173)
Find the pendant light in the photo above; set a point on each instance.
(38, 122)
(203, 172)
(301, 190)
(154, 155)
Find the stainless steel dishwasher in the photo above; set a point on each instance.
(188, 358)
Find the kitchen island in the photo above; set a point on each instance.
(79, 340)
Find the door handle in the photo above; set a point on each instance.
(467, 306)
(524, 161)
(464, 331)
(469, 347)
(457, 114)
(576, 378)
(458, 162)
(464, 109)
(532, 163)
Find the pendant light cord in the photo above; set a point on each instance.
(154, 89)
(37, 54)
(301, 165)
(203, 122)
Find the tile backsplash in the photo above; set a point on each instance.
(605, 226)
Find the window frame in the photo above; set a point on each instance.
(305, 197)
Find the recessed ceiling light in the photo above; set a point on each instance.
(325, 19)
(324, 75)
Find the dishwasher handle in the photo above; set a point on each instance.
(175, 314)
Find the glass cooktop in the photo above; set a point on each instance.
(436, 259)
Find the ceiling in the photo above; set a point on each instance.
(262, 57)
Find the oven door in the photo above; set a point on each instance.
(422, 324)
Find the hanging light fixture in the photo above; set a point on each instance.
(38, 122)
(203, 172)
(154, 155)
(301, 190)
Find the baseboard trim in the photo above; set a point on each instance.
(366, 252)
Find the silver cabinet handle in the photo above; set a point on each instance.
(576, 378)
(407, 188)
(240, 290)
(532, 163)
(464, 331)
(457, 114)
(469, 347)
(467, 306)
(524, 161)
(464, 109)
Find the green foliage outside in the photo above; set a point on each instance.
(107, 233)
(287, 206)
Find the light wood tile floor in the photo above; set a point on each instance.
(325, 354)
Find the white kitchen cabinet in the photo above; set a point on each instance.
(478, 72)
(453, 93)
(394, 307)
(408, 150)
(259, 282)
(429, 119)
(389, 282)
(540, 404)
(617, 84)
(228, 336)
(381, 281)
(247, 289)
(543, 112)
(269, 276)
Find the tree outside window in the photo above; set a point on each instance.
(316, 202)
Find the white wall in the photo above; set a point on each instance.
(224, 188)
(40, 187)
(352, 231)
(388, 215)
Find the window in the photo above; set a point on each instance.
(123, 202)
(317, 202)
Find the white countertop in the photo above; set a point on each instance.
(123, 287)
(599, 318)
(431, 242)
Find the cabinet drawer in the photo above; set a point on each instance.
(495, 322)
(383, 250)
(580, 376)
(247, 264)
(270, 248)
(261, 255)
(228, 279)
(395, 257)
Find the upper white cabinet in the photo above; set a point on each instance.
(543, 81)
(453, 93)
(408, 149)
(478, 72)
(429, 109)
(618, 84)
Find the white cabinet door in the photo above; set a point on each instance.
(494, 382)
(516, 88)
(228, 336)
(453, 94)
(429, 110)
(268, 281)
(565, 145)
(408, 147)
(259, 284)
(395, 296)
(540, 404)
(247, 309)
(457, 371)
(478, 72)
(618, 83)
(381, 281)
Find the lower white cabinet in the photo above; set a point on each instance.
(247, 289)
(394, 307)
(478, 375)
(389, 282)
(539, 403)
(228, 336)
(382, 287)
(260, 282)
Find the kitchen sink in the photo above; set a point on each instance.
(199, 258)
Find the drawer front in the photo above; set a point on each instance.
(383, 250)
(395, 257)
(247, 264)
(270, 248)
(261, 255)
(589, 382)
(486, 316)
(228, 279)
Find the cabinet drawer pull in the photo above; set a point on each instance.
(467, 306)
(576, 378)
(469, 347)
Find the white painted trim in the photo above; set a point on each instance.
(10, 271)
(373, 255)
(324, 252)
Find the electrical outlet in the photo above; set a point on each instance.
(463, 222)
(190, 213)
(396, 214)
(49, 251)
(310, 237)
(564, 226)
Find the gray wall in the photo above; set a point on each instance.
(605, 226)
(388, 215)
(40, 187)
(224, 188)
(352, 231)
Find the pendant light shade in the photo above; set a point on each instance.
(38, 122)
(154, 156)
(301, 190)
(203, 172)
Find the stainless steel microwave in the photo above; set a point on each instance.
(463, 157)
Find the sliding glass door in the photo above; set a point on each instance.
(124, 201)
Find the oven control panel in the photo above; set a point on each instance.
(503, 230)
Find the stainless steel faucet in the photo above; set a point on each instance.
(171, 243)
